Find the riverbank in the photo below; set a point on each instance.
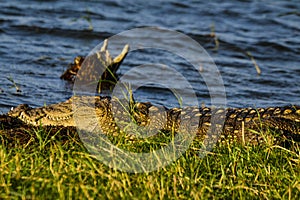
(51, 168)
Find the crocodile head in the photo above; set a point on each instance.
(24, 113)
(16, 112)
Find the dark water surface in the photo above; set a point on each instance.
(39, 39)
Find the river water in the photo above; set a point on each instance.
(40, 38)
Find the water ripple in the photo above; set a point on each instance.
(39, 39)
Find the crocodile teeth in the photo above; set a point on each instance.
(22, 115)
(58, 118)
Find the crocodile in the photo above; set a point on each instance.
(244, 125)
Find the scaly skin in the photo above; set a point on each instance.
(241, 124)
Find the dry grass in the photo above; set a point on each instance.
(54, 170)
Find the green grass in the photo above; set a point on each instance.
(55, 170)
